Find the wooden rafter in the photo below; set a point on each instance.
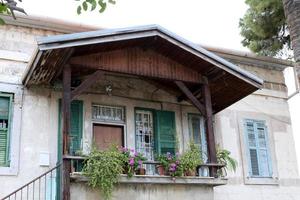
(88, 82)
(191, 97)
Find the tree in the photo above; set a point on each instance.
(9, 7)
(292, 13)
(264, 27)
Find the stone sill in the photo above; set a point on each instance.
(153, 179)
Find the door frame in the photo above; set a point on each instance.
(111, 124)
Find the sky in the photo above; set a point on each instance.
(213, 23)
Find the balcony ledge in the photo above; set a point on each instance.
(161, 180)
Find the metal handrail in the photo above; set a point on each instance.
(14, 194)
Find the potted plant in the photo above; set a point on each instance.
(169, 165)
(164, 164)
(103, 169)
(133, 162)
(191, 159)
(223, 157)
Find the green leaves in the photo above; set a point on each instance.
(3, 10)
(103, 169)
(102, 5)
(93, 4)
(191, 158)
(264, 27)
(79, 10)
(224, 157)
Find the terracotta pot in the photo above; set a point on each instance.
(160, 170)
(190, 173)
(141, 171)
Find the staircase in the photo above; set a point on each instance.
(43, 187)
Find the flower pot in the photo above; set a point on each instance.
(190, 173)
(141, 171)
(160, 170)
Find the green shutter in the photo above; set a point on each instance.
(5, 105)
(165, 132)
(76, 125)
(3, 147)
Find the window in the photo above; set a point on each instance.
(75, 136)
(154, 133)
(259, 160)
(108, 113)
(5, 124)
(144, 133)
(197, 133)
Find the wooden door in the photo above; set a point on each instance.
(106, 135)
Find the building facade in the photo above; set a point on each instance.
(256, 129)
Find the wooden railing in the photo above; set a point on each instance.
(43, 187)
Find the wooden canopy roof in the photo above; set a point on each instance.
(147, 51)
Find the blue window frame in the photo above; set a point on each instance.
(259, 160)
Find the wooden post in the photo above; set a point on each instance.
(209, 128)
(66, 108)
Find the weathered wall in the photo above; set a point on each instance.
(80, 191)
(39, 127)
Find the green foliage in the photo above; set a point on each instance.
(171, 164)
(8, 7)
(132, 161)
(223, 157)
(103, 169)
(84, 5)
(192, 158)
(264, 27)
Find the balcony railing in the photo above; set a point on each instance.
(203, 170)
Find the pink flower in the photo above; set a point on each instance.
(131, 161)
(140, 163)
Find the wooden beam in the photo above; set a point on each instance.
(191, 97)
(209, 128)
(88, 82)
(183, 96)
(66, 108)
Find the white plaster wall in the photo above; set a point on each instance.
(80, 191)
(229, 133)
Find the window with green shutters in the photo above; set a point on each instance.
(5, 124)
(155, 132)
(165, 132)
(259, 159)
(76, 126)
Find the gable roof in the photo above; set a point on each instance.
(153, 36)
